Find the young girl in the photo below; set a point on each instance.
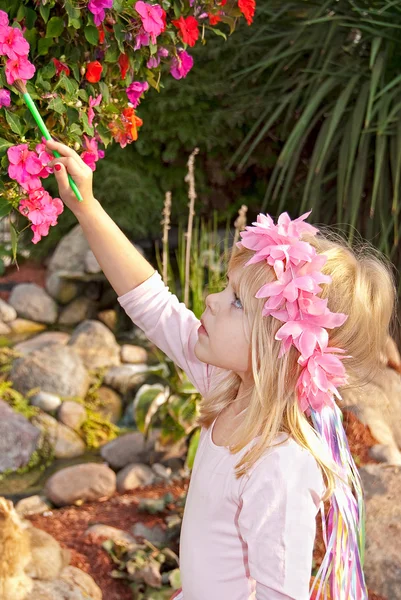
(268, 356)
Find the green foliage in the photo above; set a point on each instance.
(17, 401)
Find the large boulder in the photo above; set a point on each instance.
(95, 344)
(70, 252)
(130, 448)
(86, 482)
(72, 414)
(58, 370)
(126, 377)
(66, 443)
(61, 289)
(382, 486)
(78, 310)
(110, 404)
(134, 476)
(18, 439)
(43, 340)
(7, 312)
(33, 302)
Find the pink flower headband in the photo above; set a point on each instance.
(293, 299)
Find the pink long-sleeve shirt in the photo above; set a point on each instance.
(246, 539)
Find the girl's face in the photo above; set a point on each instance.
(225, 342)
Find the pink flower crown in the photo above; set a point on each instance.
(293, 299)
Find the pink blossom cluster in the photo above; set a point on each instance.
(14, 46)
(27, 167)
(293, 299)
(91, 153)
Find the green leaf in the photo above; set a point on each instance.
(4, 144)
(70, 85)
(112, 54)
(119, 35)
(55, 27)
(192, 448)
(217, 31)
(5, 207)
(92, 35)
(147, 402)
(48, 71)
(44, 11)
(104, 134)
(57, 105)
(75, 129)
(15, 123)
(43, 45)
(104, 90)
(85, 124)
(73, 14)
(30, 18)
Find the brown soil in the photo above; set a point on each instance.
(28, 272)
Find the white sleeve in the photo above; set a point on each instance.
(277, 522)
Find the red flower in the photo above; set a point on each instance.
(93, 71)
(101, 34)
(164, 20)
(189, 31)
(214, 19)
(60, 67)
(247, 7)
(124, 64)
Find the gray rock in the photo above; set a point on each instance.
(91, 264)
(95, 344)
(7, 312)
(109, 318)
(78, 310)
(25, 326)
(4, 329)
(86, 482)
(61, 289)
(134, 476)
(58, 370)
(33, 505)
(129, 448)
(33, 302)
(110, 404)
(133, 354)
(382, 485)
(56, 590)
(18, 439)
(112, 533)
(155, 534)
(43, 340)
(162, 472)
(72, 414)
(45, 401)
(126, 377)
(81, 580)
(70, 252)
(66, 443)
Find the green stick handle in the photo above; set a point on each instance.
(35, 113)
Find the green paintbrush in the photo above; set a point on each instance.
(35, 113)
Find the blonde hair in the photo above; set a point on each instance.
(363, 288)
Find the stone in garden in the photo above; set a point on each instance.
(91, 264)
(57, 589)
(83, 581)
(7, 312)
(33, 505)
(86, 482)
(78, 310)
(109, 318)
(61, 289)
(162, 472)
(382, 485)
(95, 344)
(72, 414)
(134, 476)
(18, 439)
(70, 252)
(58, 370)
(378, 405)
(4, 329)
(48, 558)
(45, 401)
(25, 326)
(110, 404)
(66, 443)
(133, 354)
(43, 340)
(111, 533)
(33, 302)
(129, 448)
(126, 377)
(156, 534)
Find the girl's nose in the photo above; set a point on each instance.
(211, 303)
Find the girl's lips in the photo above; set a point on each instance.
(202, 329)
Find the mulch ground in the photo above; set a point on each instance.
(29, 272)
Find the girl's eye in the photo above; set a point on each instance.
(237, 300)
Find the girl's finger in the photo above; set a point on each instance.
(72, 166)
(62, 149)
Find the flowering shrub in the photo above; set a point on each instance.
(88, 66)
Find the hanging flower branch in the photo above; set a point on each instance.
(105, 56)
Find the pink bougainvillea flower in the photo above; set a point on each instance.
(44, 158)
(152, 18)
(19, 69)
(12, 43)
(32, 184)
(181, 64)
(42, 210)
(97, 8)
(142, 39)
(23, 163)
(135, 90)
(91, 154)
(3, 19)
(5, 97)
(92, 103)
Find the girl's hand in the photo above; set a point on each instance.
(71, 163)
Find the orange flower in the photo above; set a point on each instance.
(93, 71)
(247, 7)
(125, 130)
(214, 19)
